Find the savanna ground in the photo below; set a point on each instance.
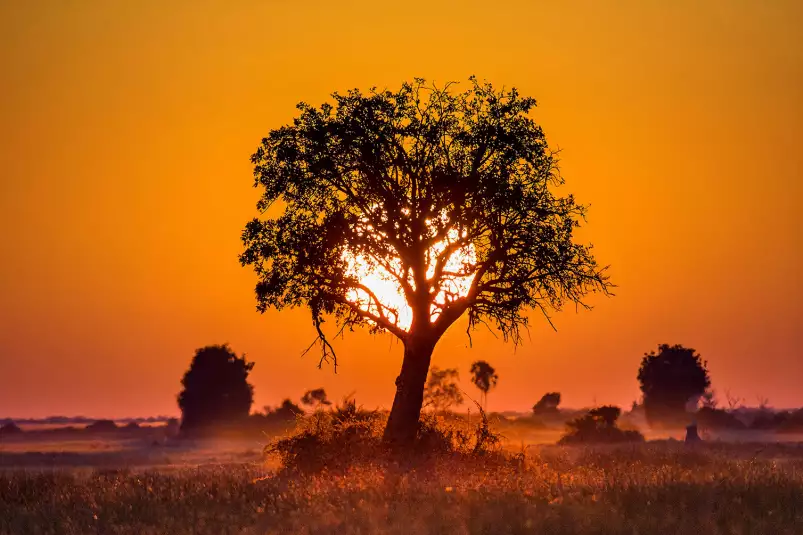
(132, 487)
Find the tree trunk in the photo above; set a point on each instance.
(402, 425)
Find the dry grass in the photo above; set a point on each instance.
(635, 489)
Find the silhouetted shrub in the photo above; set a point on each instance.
(599, 426)
(768, 420)
(315, 398)
(102, 426)
(668, 380)
(547, 405)
(10, 428)
(287, 411)
(131, 426)
(793, 423)
(718, 420)
(216, 390)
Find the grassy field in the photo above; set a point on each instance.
(658, 487)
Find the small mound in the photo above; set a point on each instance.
(102, 426)
(598, 426)
(10, 428)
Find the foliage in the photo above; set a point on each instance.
(669, 379)
(547, 405)
(315, 398)
(599, 426)
(484, 377)
(330, 440)
(442, 391)
(287, 410)
(216, 390)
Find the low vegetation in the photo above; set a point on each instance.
(624, 489)
(599, 426)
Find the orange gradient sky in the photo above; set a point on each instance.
(125, 133)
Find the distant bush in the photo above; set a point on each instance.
(793, 423)
(547, 405)
(718, 420)
(315, 398)
(599, 426)
(768, 420)
(102, 426)
(287, 411)
(10, 428)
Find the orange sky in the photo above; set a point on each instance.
(125, 133)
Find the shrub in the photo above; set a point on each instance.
(599, 426)
(547, 405)
(793, 423)
(718, 420)
(350, 435)
(10, 428)
(102, 426)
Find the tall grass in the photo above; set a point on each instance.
(336, 477)
(630, 489)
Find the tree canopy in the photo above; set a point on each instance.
(215, 389)
(403, 210)
(669, 379)
(548, 404)
(484, 377)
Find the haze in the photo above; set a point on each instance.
(125, 136)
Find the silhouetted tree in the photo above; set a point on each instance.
(484, 377)
(402, 211)
(441, 390)
(669, 379)
(102, 426)
(315, 398)
(547, 405)
(216, 389)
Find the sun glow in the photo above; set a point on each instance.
(382, 279)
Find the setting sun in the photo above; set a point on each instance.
(382, 290)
